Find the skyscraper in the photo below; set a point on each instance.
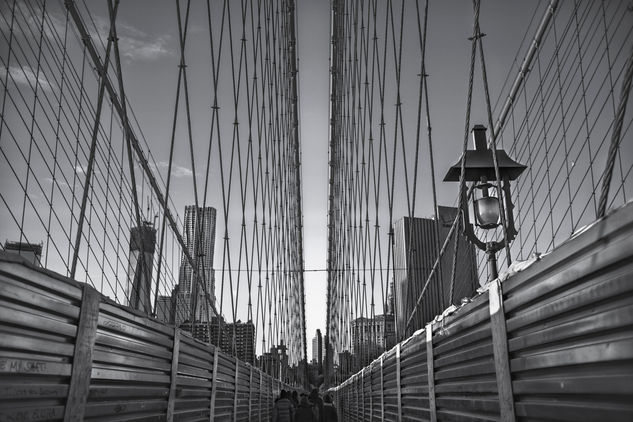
(241, 336)
(318, 348)
(371, 337)
(415, 252)
(165, 307)
(199, 236)
(139, 273)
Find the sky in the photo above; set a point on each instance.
(149, 44)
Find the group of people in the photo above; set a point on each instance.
(292, 407)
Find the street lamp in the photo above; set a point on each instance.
(486, 193)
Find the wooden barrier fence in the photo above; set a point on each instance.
(553, 342)
(68, 353)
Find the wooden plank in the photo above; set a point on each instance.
(119, 342)
(614, 350)
(32, 412)
(35, 300)
(137, 331)
(500, 351)
(18, 317)
(174, 376)
(130, 376)
(614, 284)
(22, 342)
(82, 359)
(129, 392)
(133, 317)
(104, 355)
(21, 366)
(430, 371)
(464, 353)
(595, 322)
(37, 391)
(214, 385)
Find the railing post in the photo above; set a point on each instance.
(371, 393)
(237, 370)
(500, 351)
(214, 384)
(261, 399)
(82, 359)
(362, 389)
(174, 375)
(382, 389)
(398, 385)
(357, 396)
(250, 393)
(430, 371)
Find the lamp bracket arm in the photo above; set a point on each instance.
(511, 230)
(468, 230)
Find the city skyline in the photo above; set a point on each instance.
(150, 53)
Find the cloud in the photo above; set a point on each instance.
(25, 76)
(134, 44)
(29, 15)
(82, 169)
(79, 169)
(176, 170)
(135, 49)
(59, 183)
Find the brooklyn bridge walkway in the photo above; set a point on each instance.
(184, 201)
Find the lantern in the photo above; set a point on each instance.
(487, 195)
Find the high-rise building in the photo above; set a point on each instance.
(32, 252)
(218, 332)
(371, 337)
(139, 270)
(199, 236)
(165, 308)
(318, 348)
(241, 340)
(391, 304)
(415, 252)
(275, 362)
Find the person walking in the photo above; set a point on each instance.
(329, 411)
(317, 405)
(304, 411)
(283, 411)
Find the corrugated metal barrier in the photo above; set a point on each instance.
(553, 342)
(68, 353)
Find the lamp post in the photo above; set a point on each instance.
(487, 195)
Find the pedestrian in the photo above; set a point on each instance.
(304, 411)
(329, 411)
(295, 398)
(283, 411)
(317, 405)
